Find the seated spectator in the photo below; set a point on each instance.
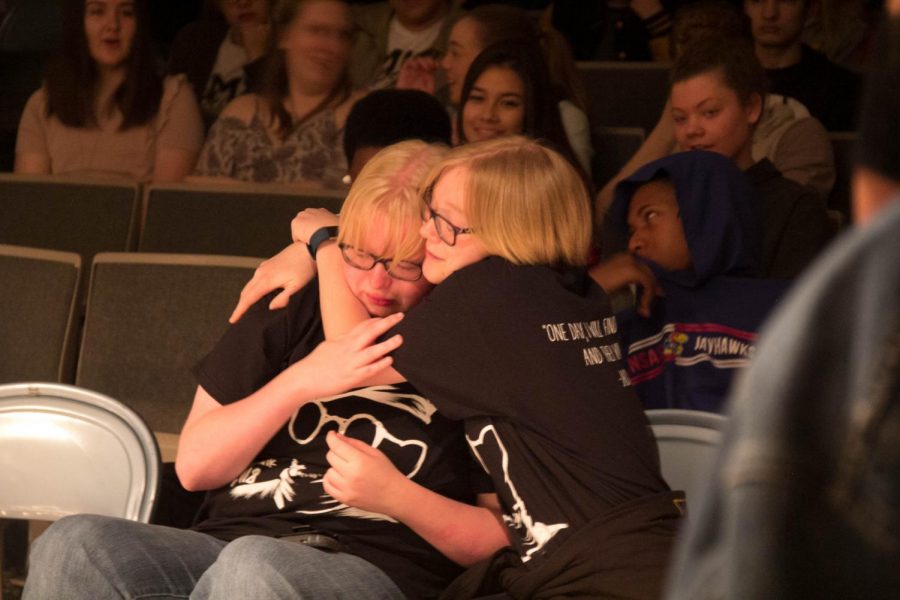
(280, 449)
(717, 104)
(291, 130)
(828, 91)
(693, 218)
(385, 117)
(845, 31)
(222, 59)
(393, 32)
(507, 91)
(103, 108)
(804, 501)
(797, 144)
(485, 26)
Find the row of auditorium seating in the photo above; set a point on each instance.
(149, 318)
(87, 216)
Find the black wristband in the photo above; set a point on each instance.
(321, 235)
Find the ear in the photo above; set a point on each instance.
(754, 108)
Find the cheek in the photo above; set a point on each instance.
(432, 271)
(515, 121)
(354, 278)
(681, 134)
(468, 117)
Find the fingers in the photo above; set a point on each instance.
(248, 296)
(332, 483)
(371, 329)
(351, 443)
(339, 453)
(283, 297)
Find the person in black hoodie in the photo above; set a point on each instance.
(692, 220)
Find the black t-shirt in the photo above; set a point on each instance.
(829, 91)
(282, 488)
(529, 357)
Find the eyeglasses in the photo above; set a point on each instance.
(446, 230)
(402, 270)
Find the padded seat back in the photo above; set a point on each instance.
(625, 94)
(237, 220)
(150, 318)
(38, 317)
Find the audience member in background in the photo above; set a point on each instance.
(385, 117)
(507, 91)
(291, 130)
(805, 498)
(786, 134)
(393, 32)
(263, 429)
(693, 218)
(716, 104)
(221, 59)
(103, 108)
(471, 32)
(490, 24)
(829, 92)
(844, 30)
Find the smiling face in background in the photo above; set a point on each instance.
(708, 115)
(381, 294)
(442, 259)
(109, 27)
(317, 44)
(655, 225)
(495, 106)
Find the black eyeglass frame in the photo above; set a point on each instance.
(387, 263)
(437, 218)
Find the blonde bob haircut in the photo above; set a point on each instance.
(388, 192)
(524, 201)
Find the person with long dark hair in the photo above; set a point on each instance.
(104, 108)
(507, 91)
(291, 130)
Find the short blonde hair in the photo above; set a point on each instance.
(524, 201)
(389, 187)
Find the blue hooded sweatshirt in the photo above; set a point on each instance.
(704, 327)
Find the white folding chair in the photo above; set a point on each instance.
(67, 450)
(688, 442)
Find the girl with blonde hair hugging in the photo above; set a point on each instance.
(519, 343)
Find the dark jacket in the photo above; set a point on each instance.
(805, 500)
(704, 327)
(793, 222)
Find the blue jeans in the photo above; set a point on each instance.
(88, 556)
